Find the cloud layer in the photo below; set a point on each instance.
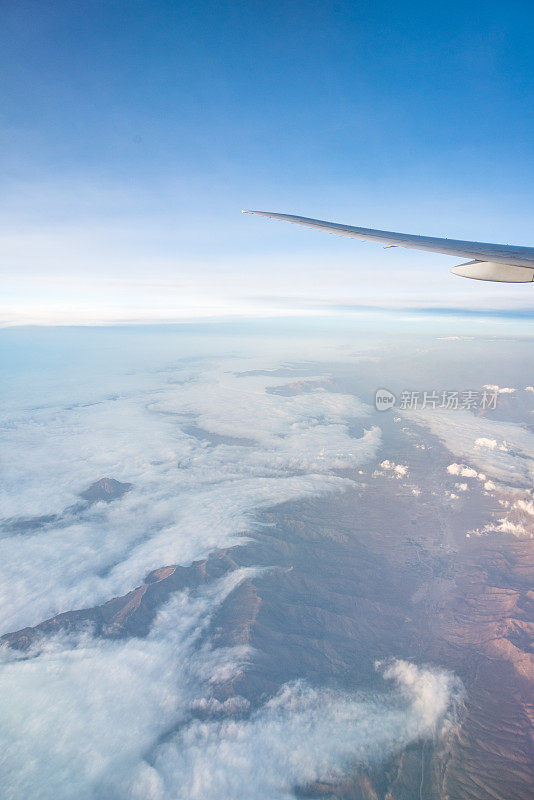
(189, 496)
(472, 438)
(205, 449)
(302, 735)
(86, 718)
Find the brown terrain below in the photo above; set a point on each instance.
(346, 586)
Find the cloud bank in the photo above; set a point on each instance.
(471, 438)
(91, 718)
(189, 496)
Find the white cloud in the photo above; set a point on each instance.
(492, 387)
(509, 462)
(525, 505)
(491, 444)
(79, 713)
(463, 470)
(506, 525)
(301, 735)
(89, 718)
(519, 513)
(400, 470)
(188, 497)
(516, 528)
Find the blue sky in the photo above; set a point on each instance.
(134, 132)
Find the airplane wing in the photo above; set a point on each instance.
(489, 262)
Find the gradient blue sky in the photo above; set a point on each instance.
(134, 132)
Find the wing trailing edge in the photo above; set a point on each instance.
(490, 262)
